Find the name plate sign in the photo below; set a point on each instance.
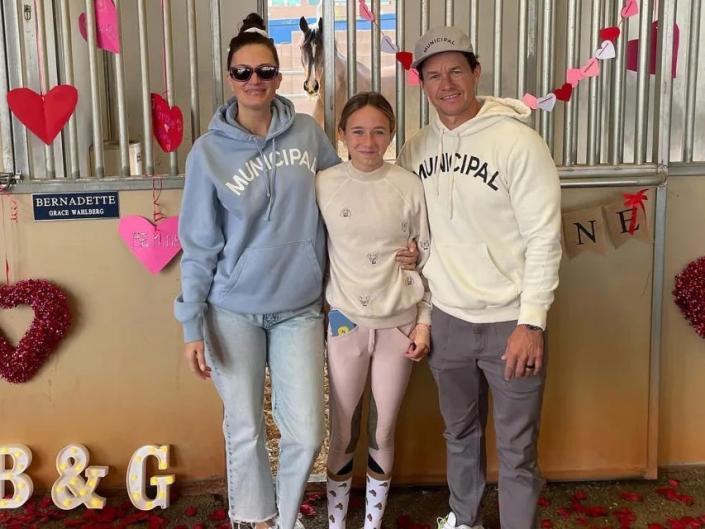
(76, 206)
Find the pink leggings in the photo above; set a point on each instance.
(350, 357)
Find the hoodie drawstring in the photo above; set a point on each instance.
(449, 164)
(269, 180)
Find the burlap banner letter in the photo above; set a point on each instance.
(584, 230)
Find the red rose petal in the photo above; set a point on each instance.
(546, 524)
(543, 501)
(190, 511)
(403, 521)
(307, 510)
(217, 515)
(631, 496)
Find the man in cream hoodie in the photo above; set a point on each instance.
(493, 199)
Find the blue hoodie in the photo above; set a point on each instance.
(252, 237)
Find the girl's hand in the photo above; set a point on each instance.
(196, 359)
(408, 257)
(420, 342)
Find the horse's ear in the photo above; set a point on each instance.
(303, 24)
(320, 24)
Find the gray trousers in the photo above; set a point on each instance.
(465, 360)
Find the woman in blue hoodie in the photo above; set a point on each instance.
(251, 278)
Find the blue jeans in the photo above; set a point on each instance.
(238, 347)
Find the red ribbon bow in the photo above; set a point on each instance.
(634, 201)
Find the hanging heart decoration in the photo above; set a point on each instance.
(44, 115)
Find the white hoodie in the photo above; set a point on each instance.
(493, 197)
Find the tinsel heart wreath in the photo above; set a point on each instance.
(689, 294)
(52, 319)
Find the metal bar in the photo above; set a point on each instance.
(686, 169)
(95, 96)
(169, 73)
(121, 103)
(605, 88)
(618, 173)
(551, 77)
(74, 167)
(375, 49)
(616, 113)
(497, 51)
(352, 48)
(642, 89)
(193, 69)
(12, 18)
(216, 54)
(521, 49)
(474, 40)
(401, 84)
(572, 45)
(329, 70)
(6, 140)
(425, 19)
(449, 9)
(602, 182)
(263, 10)
(593, 92)
(546, 60)
(692, 84)
(531, 60)
(146, 97)
(44, 80)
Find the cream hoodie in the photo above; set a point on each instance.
(493, 197)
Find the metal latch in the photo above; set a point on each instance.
(7, 180)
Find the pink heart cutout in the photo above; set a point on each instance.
(387, 45)
(106, 21)
(631, 8)
(365, 11)
(606, 51)
(530, 101)
(412, 77)
(574, 76)
(45, 115)
(167, 123)
(154, 246)
(591, 68)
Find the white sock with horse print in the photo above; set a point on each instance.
(375, 501)
(338, 496)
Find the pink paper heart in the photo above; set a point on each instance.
(412, 77)
(154, 246)
(106, 21)
(591, 68)
(605, 51)
(530, 101)
(366, 12)
(574, 76)
(631, 8)
(547, 102)
(388, 46)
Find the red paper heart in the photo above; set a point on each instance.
(51, 321)
(405, 58)
(167, 123)
(610, 33)
(564, 92)
(45, 115)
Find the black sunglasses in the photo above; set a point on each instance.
(266, 72)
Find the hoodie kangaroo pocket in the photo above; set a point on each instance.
(464, 276)
(278, 274)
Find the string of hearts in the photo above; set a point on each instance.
(387, 45)
(591, 68)
(13, 216)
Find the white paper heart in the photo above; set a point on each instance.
(605, 51)
(387, 46)
(547, 102)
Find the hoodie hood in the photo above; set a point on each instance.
(283, 114)
(491, 110)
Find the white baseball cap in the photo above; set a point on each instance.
(440, 39)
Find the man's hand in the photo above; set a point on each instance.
(408, 257)
(524, 353)
(420, 342)
(196, 359)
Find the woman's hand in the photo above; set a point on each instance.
(408, 257)
(420, 342)
(196, 358)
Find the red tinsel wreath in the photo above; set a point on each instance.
(689, 294)
(51, 321)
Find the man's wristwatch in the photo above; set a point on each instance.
(532, 327)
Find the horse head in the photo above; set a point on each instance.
(312, 54)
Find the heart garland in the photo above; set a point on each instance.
(591, 68)
(52, 318)
(168, 124)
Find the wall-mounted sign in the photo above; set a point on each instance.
(76, 206)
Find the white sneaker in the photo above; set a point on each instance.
(449, 523)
